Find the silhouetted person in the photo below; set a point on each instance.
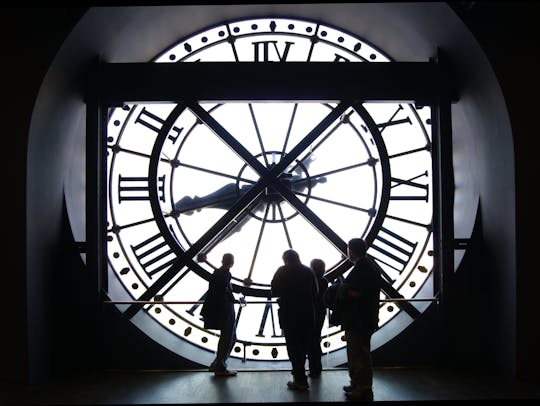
(296, 287)
(359, 294)
(315, 354)
(218, 313)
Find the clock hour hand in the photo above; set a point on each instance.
(225, 197)
(222, 198)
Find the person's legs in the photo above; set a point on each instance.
(360, 364)
(296, 349)
(351, 348)
(315, 352)
(225, 344)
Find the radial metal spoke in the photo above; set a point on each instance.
(332, 172)
(309, 138)
(291, 121)
(137, 223)
(412, 151)
(116, 149)
(259, 238)
(284, 222)
(222, 133)
(233, 226)
(414, 223)
(258, 134)
(348, 206)
(212, 172)
(313, 149)
(312, 218)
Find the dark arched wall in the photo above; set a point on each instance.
(48, 139)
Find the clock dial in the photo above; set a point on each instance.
(189, 182)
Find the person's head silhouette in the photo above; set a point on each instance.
(291, 257)
(227, 260)
(356, 249)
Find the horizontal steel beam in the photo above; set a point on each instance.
(419, 82)
(156, 302)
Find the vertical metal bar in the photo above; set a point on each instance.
(437, 180)
(96, 178)
(443, 216)
(444, 187)
(96, 258)
(101, 134)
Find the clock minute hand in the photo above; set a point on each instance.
(233, 227)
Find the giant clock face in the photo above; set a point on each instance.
(190, 182)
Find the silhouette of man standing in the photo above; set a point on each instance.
(360, 319)
(218, 313)
(315, 354)
(296, 287)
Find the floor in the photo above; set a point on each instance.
(391, 385)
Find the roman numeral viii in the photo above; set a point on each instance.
(154, 254)
(392, 249)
